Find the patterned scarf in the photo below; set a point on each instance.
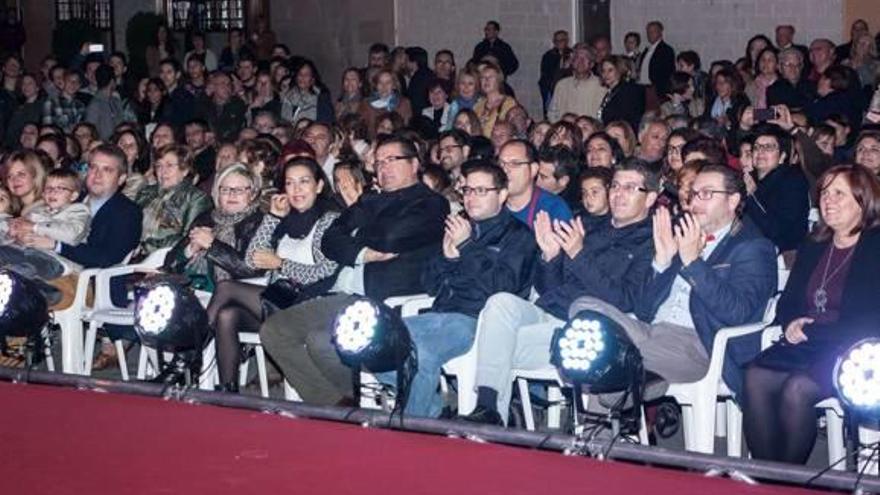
(224, 231)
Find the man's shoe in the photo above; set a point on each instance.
(483, 415)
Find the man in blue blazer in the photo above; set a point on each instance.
(711, 271)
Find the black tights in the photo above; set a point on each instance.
(235, 307)
(780, 414)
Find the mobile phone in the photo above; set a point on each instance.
(764, 114)
(96, 48)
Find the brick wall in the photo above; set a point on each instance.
(527, 25)
(720, 29)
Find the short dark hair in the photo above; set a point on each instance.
(840, 77)
(173, 62)
(650, 176)
(407, 146)
(104, 76)
(601, 173)
(418, 55)
(783, 139)
(531, 151)
(379, 48)
(499, 178)
(114, 152)
(120, 56)
(865, 190)
(690, 57)
(658, 24)
(494, 24)
(733, 182)
(199, 122)
(679, 82)
(65, 173)
(460, 137)
(633, 34)
(713, 150)
(565, 162)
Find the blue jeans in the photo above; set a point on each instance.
(438, 337)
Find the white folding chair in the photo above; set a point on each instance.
(104, 312)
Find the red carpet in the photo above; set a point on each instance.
(62, 441)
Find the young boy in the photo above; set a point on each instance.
(59, 217)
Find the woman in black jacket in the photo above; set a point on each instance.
(730, 99)
(215, 248)
(625, 99)
(829, 304)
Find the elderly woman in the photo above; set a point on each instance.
(215, 248)
(288, 244)
(25, 177)
(386, 98)
(172, 204)
(495, 104)
(828, 305)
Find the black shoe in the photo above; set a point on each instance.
(483, 415)
(231, 387)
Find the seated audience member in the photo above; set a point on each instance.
(602, 151)
(352, 93)
(383, 242)
(204, 155)
(828, 305)
(868, 151)
(652, 142)
(486, 253)
(495, 104)
(288, 243)
(730, 98)
(214, 249)
(25, 177)
(623, 133)
(65, 110)
(350, 182)
(172, 204)
(625, 99)
(308, 98)
(438, 109)
(386, 98)
(467, 121)
(454, 150)
(465, 97)
(57, 217)
(557, 171)
(582, 92)
(525, 200)
(682, 100)
(565, 134)
(710, 271)
(612, 264)
(778, 202)
(224, 111)
(595, 211)
(137, 158)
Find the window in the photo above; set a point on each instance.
(98, 13)
(205, 15)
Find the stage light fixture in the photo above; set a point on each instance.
(24, 312)
(169, 317)
(857, 377)
(372, 336)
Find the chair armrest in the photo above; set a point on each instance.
(719, 347)
(410, 305)
(770, 335)
(398, 301)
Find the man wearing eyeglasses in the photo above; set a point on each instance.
(519, 159)
(383, 242)
(485, 253)
(710, 271)
(612, 264)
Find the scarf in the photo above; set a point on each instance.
(224, 231)
(389, 103)
(298, 224)
(465, 103)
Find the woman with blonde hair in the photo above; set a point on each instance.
(493, 107)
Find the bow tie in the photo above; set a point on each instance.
(710, 237)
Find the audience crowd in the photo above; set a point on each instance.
(662, 190)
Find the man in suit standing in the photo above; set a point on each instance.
(657, 61)
(498, 48)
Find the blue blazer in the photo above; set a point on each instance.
(115, 231)
(730, 288)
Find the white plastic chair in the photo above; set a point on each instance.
(105, 312)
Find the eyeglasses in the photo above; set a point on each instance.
(764, 147)
(234, 191)
(513, 163)
(705, 194)
(628, 188)
(386, 161)
(55, 189)
(478, 191)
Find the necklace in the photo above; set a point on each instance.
(820, 297)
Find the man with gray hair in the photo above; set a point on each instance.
(582, 92)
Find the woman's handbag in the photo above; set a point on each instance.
(280, 294)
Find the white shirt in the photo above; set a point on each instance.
(676, 308)
(645, 69)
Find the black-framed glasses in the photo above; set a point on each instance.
(706, 194)
(390, 159)
(478, 191)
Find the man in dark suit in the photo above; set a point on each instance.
(657, 61)
(495, 46)
(554, 66)
(420, 78)
(711, 271)
(383, 242)
(116, 221)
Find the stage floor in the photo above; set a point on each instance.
(64, 441)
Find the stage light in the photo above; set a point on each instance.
(857, 377)
(595, 352)
(372, 336)
(169, 317)
(24, 311)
